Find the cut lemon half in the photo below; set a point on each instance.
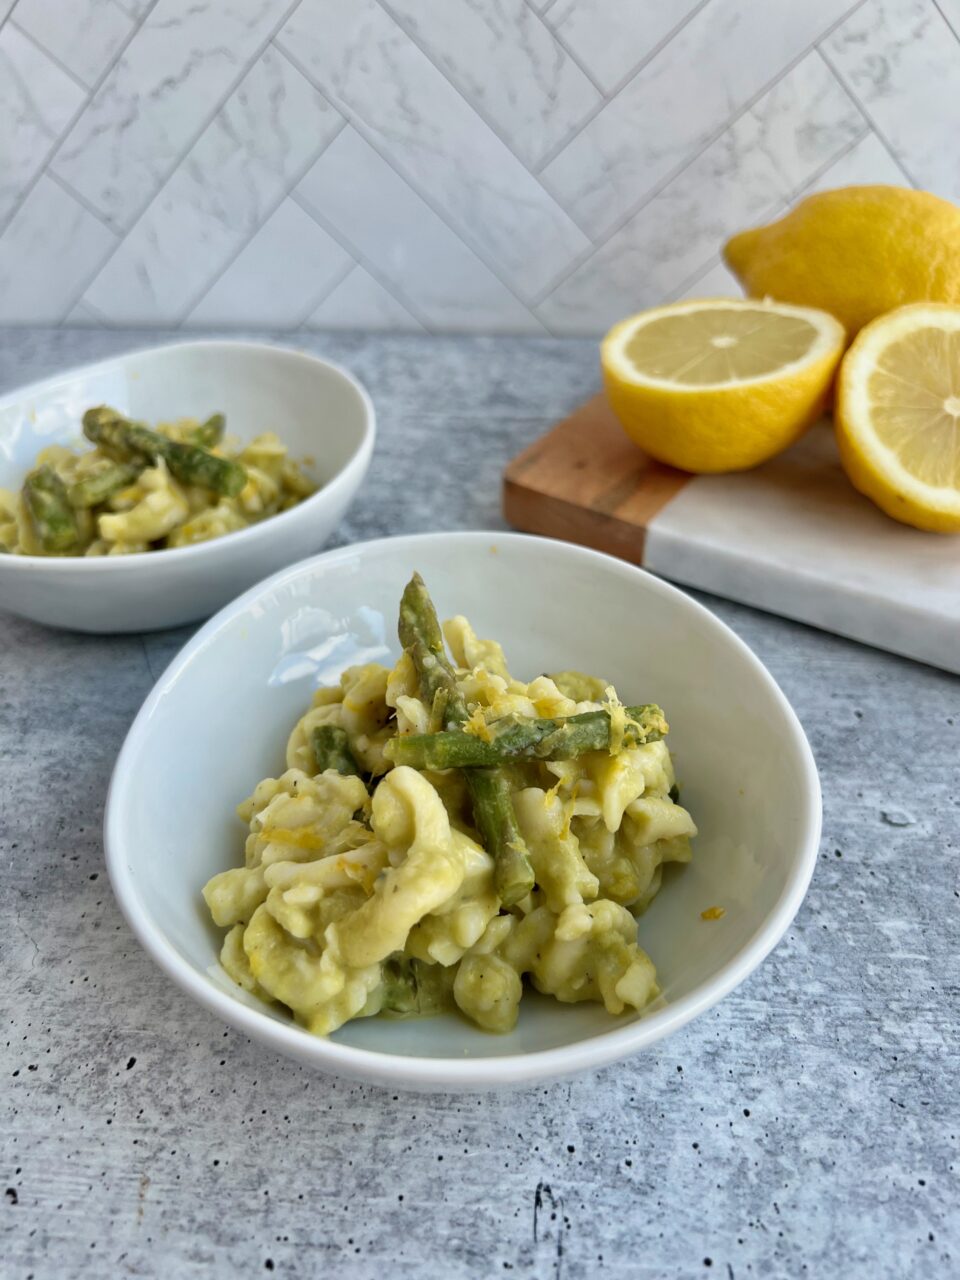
(720, 384)
(898, 415)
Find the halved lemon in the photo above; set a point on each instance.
(898, 415)
(720, 384)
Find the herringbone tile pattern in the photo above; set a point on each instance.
(513, 165)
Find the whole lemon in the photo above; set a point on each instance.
(856, 252)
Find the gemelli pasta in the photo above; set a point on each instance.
(444, 834)
(143, 490)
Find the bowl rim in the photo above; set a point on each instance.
(460, 1074)
(358, 460)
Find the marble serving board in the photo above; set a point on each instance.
(792, 537)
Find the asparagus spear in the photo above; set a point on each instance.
(493, 810)
(520, 738)
(100, 485)
(48, 506)
(209, 433)
(128, 441)
(331, 747)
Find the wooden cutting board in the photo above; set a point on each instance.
(792, 537)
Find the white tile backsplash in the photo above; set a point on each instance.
(507, 165)
(237, 171)
(722, 59)
(84, 37)
(411, 112)
(901, 60)
(37, 102)
(508, 65)
(49, 250)
(744, 177)
(169, 81)
(375, 213)
(611, 38)
(361, 302)
(279, 276)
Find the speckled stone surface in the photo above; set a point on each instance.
(806, 1126)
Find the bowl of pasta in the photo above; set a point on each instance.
(147, 490)
(462, 811)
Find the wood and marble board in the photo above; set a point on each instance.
(792, 537)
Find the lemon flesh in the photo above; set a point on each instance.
(856, 252)
(898, 415)
(720, 384)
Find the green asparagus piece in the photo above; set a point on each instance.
(331, 747)
(421, 636)
(48, 506)
(209, 433)
(493, 811)
(413, 989)
(127, 441)
(521, 738)
(100, 485)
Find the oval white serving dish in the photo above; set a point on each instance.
(218, 720)
(319, 410)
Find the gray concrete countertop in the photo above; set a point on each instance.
(806, 1126)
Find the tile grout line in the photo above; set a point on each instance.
(78, 295)
(57, 142)
(948, 21)
(529, 166)
(373, 142)
(97, 314)
(621, 84)
(31, 39)
(124, 232)
(824, 168)
(868, 117)
(786, 200)
(654, 191)
(130, 14)
(127, 226)
(82, 201)
(360, 259)
(271, 209)
(574, 58)
(330, 288)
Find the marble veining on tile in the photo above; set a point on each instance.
(241, 166)
(617, 159)
(742, 178)
(394, 95)
(82, 36)
(508, 65)
(37, 102)
(49, 250)
(902, 60)
(174, 73)
(612, 37)
(524, 163)
(435, 274)
(282, 272)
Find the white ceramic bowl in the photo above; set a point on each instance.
(218, 720)
(319, 410)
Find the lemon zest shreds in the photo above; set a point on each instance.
(477, 725)
(618, 719)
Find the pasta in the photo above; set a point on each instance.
(377, 881)
(143, 490)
